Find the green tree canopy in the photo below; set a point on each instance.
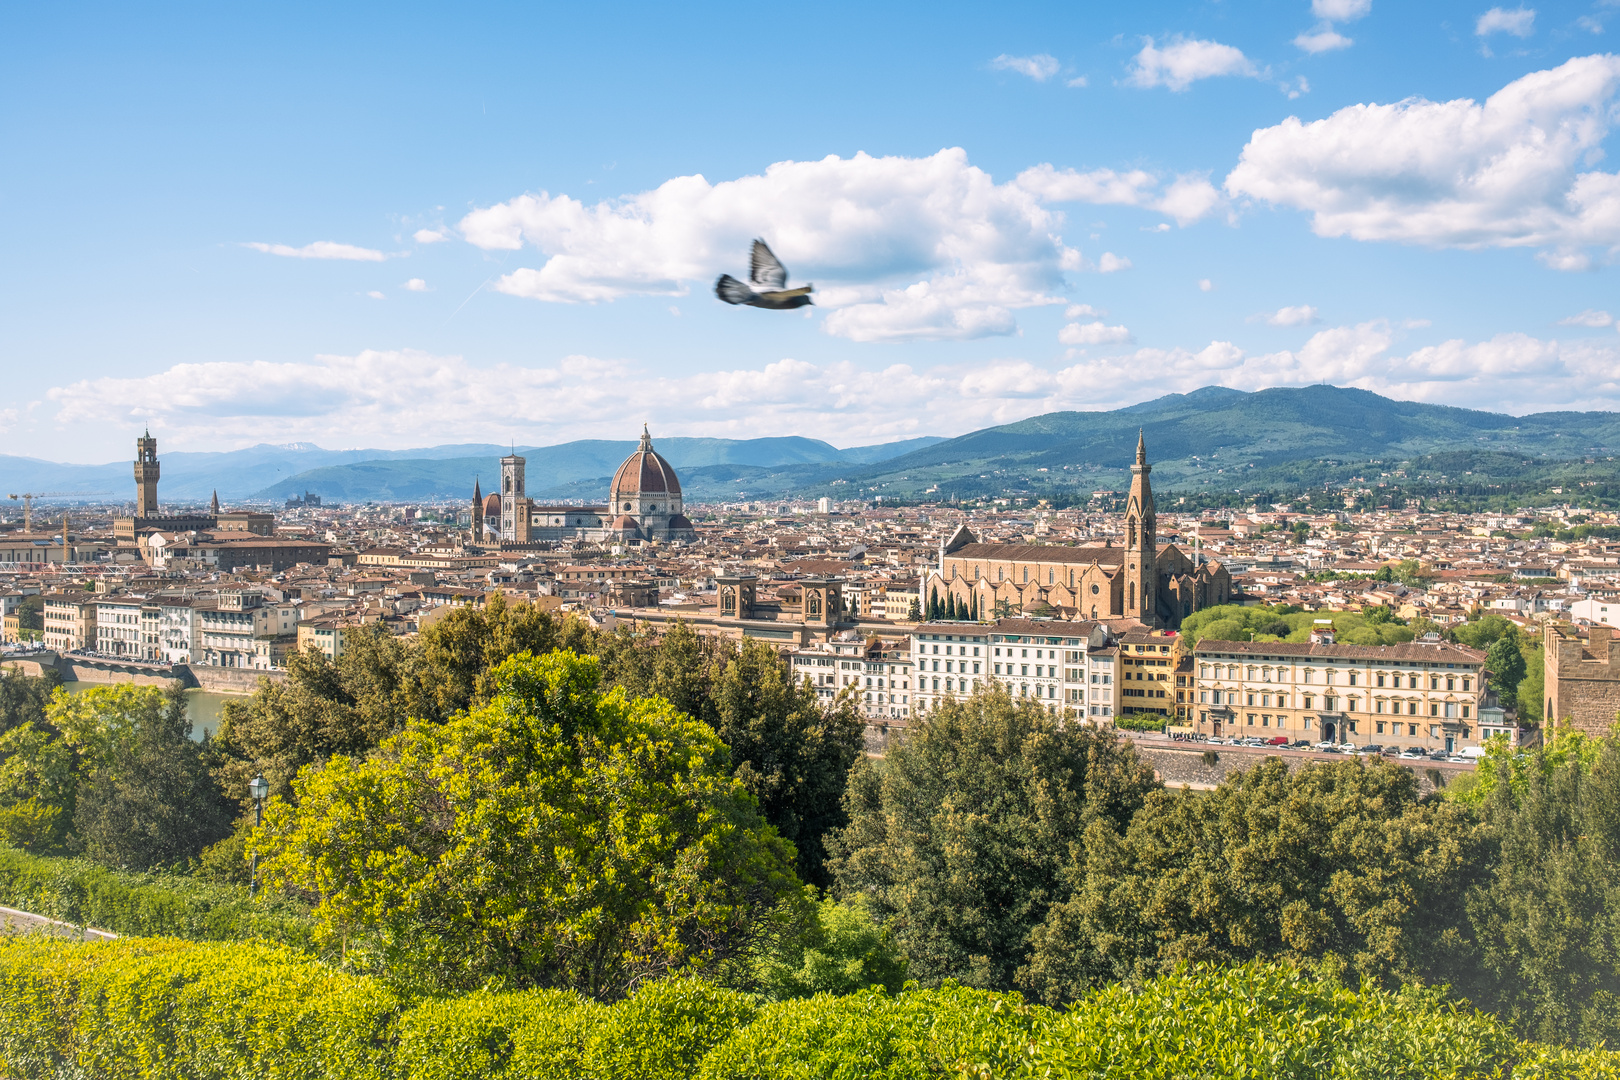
(959, 838)
(1505, 662)
(145, 798)
(556, 836)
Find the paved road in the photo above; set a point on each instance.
(13, 921)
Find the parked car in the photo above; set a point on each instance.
(1301, 744)
(1371, 748)
(1277, 740)
(1414, 752)
(1391, 751)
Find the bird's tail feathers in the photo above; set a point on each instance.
(732, 291)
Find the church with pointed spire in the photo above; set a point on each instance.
(1141, 580)
(643, 506)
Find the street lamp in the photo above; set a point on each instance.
(259, 788)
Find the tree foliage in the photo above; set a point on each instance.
(556, 836)
(1337, 861)
(959, 838)
(145, 797)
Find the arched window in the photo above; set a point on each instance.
(1026, 575)
(1132, 600)
(1131, 541)
(1049, 576)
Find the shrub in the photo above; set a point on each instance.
(497, 1036)
(86, 894)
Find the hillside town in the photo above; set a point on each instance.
(908, 605)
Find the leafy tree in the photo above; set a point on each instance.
(1337, 861)
(1377, 614)
(841, 950)
(1533, 688)
(31, 614)
(1506, 665)
(790, 753)
(38, 781)
(555, 836)
(1548, 920)
(23, 699)
(459, 652)
(322, 708)
(959, 838)
(1483, 632)
(913, 611)
(145, 798)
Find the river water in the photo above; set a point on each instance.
(202, 706)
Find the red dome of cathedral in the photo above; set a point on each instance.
(492, 507)
(645, 472)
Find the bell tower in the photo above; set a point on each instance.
(477, 513)
(146, 476)
(1141, 543)
(514, 505)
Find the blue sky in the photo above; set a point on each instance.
(405, 225)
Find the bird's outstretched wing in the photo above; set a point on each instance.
(765, 269)
(733, 291)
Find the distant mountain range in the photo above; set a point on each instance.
(1210, 439)
(272, 473)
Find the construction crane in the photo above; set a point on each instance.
(28, 498)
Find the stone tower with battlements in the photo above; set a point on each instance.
(146, 476)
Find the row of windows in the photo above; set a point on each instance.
(1264, 674)
(1412, 707)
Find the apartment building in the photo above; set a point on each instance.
(881, 672)
(1067, 666)
(1426, 694)
(69, 621)
(1148, 662)
(128, 626)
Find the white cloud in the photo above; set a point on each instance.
(416, 284)
(1095, 333)
(1111, 262)
(388, 399)
(429, 236)
(1186, 60)
(899, 248)
(1187, 198)
(1323, 40)
(1505, 173)
(1303, 315)
(320, 249)
(1566, 260)
(376, 295)
(1589, 24)
(1078, 82)
(1039, 67)
(1205, 285)
(1589, 317)
(1079, 311)
(1520, 22)
(1340, 10)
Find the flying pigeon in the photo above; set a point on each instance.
(770, 277)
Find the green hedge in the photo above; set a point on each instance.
(159, 1009)
(150, 904)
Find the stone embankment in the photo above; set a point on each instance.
(88, 669)
(1201, 766)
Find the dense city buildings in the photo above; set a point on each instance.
(1079, 607)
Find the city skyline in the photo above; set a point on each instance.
(353, 231)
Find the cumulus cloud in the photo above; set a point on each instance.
(1520, 22)
(1080, 311)
(1205, 285)
(1323, 40)
(320, 249)
(1109, 263)
(416, 284)
(1039, 67)
(1187, 198)
(1590, 317)
(429, 236)
(1340, 10)
(1094, 333)
(1184, 61)
(1510, 172)
(899, 248)
(377, 295)
(389, 398)
(1303, 315)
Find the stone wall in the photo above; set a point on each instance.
(1188, 764)
(224, 680)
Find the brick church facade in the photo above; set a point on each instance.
(1153, 583)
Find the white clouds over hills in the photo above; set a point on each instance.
(387, 398)
(900, 248)
(1511, 172)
